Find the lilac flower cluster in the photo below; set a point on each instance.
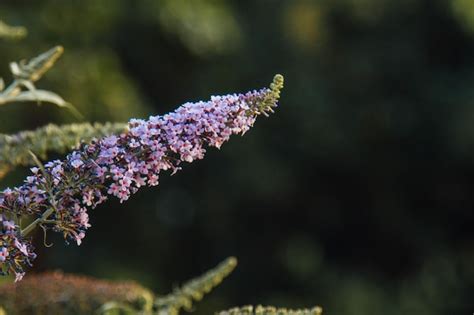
(59, 193)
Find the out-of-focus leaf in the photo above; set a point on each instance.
(12, 32)
(25, 73)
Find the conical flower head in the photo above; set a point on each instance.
(59, 194)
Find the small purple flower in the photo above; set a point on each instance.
(153, 180)
(133, 143)
(113, 189)
(22, 247)
(109, 141)
(8, 225)
(100, 171)
(79, 238)
(75, 160)
(3, 254)
(77, 163)
(19, 276)
(139, 181)
(88, 197)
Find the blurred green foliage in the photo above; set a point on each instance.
(356, 195)
(12, 32)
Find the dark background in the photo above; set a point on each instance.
(356, 195)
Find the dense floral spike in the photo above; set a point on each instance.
(59, 193)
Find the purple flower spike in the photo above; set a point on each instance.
(58, 194)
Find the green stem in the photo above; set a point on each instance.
(33, 224)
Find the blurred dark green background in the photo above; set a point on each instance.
(356, 195)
